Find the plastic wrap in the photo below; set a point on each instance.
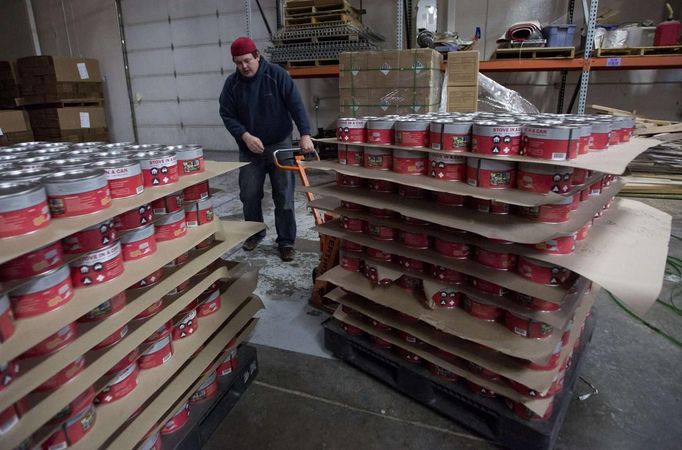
(493, 97)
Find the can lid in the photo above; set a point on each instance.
(69, 162)
(113, 162)
(83, 151)
(74, 175)
(157, 153)
(27, 174)
(80, 145)
(8, 190)
(50, 149)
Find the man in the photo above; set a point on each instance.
(257, 105)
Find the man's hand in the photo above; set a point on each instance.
(306, 144)
(253, 143)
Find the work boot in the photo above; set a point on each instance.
(252, 242)
(287, 253)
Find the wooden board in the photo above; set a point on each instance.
(639, 51)
(534, 53)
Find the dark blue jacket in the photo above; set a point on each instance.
(262, 105)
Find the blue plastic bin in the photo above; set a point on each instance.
(559, 35)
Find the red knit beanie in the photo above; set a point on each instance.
(242, 46)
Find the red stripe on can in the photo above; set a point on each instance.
(90, 239)
(353, 224)
(97, 267)
(134, 218)
(199, 213)
(42, 294)
(488, 286)
(495, 260)
(77, 192)
(350, 261)
(544, 179)
(351, 155)
(171, 227)
(378, 255)
(452, 249)
(480, 310)
(72, 431)
(185, 325)
(410, 163)
(525, 327)
(349, 181)
(122, 384)
(378, 158)
(199, 191)
(447, 167)
(6, 320)
(34, 263)
(381, 186)
(209, 306)
(413, 239)
(412, 265)
(448, 276)
(560, 245)
(63, 376)
(447, 298)
(178, 420)
(160, 352)
(541, 272)
(206, 390)
(137, 244)
(169, 203)
(54, 342)
(23, 209)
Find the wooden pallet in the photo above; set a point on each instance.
(639, 51)
(53, 100)
(315, 19)
(318, 39)
(312, 63)
(535, 53)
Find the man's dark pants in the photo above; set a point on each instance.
(251, 180)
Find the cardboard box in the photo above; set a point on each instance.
(15, 127)
(463, 99)
(353, 70)
(420, 68)
(49, 79)
(463, 68)
(383, 68)
(70, 124)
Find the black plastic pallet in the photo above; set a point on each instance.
(206, 417)
(489, 417)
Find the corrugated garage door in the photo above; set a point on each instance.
(179, 57)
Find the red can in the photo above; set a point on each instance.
(378, 255)
(447, 298)
(90, 239)
(412, 133)
(158, 168)
(54, 342)
(381, 186)
(409, 162)
(113, 338)
(125, 362)
(481, 310)
(190, 159)
(23, 208)
(412, 265)
(180, 288)
(495, 260)
(595, 188)
(480, 390)
(351, 130)
(483, 372)
(447, 199)
(542, 272)
(352, 330)
(206, 390)
(162, 332)
(440, 372)
(410, 283)
(550, 363)
(414, 239)
(80, 403)
(151, 310)
(488, 287)
(550, 213)
(77, 192)
(199, 191)
(349, 181)
(63, 376)
(229, 361)
(379, 325)
(380, 131)
(210, 305)
(378, 158)
(411, 192)
(134, 218)
(169, 204)
(409, 356)
(149, 280)
(585, 132)
(489, 206)
(350, 206)
(138, 243)
(353, 224)
(544, 179)
(491, 174)
(206, 243)
(185, 325)
(124, 176)
(122, 384)
(451, 135)
(97, 267)
(448, 276)
(380, 213)
(199, 213)
(6, 320)
(560, 245)
(372, 274)
(447, 167)
(601, 134)
(179, 261)
(534, 303)
(350, 261)
(351, 155)
(526, 327)
(34, 263)
(381, 232)
(171, 226)
(73, 430)
(178, 420)
(452, 249)
(42, 294)
(492, 138)
(549, 141)
(160, 352)
(583, 231)
(351, 246)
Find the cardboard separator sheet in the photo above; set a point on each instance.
(467, 351)
(512, 196)
(499, 363)
(507, 227)
(558, 318)
(507, 279)
(613, 160)
(62, 227)
(455, 321)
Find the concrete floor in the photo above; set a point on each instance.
(306, 399)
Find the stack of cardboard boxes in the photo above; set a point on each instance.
(463, 81)
(14, 127)
(389, 82)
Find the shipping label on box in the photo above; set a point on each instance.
(463, 68)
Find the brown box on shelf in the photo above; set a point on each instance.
(353, 70)
(15, 127)
(49, 79)
(463, 68)
(462, 98)
(383, 68)
(75, 124)
(420, 68)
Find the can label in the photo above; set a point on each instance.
(447, 298)
(412, 265)
(354, 156)
(481, 310)
(186, 325)
(206, 390)
(124, 181)
(169, 203)
(448, 276)
(495, 260)
(171, 231)
(39, 302)
(159, 171)
(552, 213)
(542, 273)
(90, 239)
(559, 246)
(139, 249)
(191, 166)
(383, 233)
(599, 141)
(177, 421)
(500, 141)
(209, 306)
(445, 167)
(378, 161)
(452, 249)
(107, 308)
(445, 198)
(78, 204)
(113, 338)
(351, 130)
(63, 376)
(380, 136)
(348, 181)
(526, 327)
(455, 142)
(229, 362)
(491, 179)
(121, 385)
(543, 183)
(488, 286)
(72, 431)
(34, 263)
(197, 217)
(157, 354)
(6, 321)
(410, 166)
(199, 191)
(419, 138)
(350, 261)
(134, 218)
(353, 224)
(25, 220)
(414, 240)
(97, 267)
(548, 143)
(54, 342)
